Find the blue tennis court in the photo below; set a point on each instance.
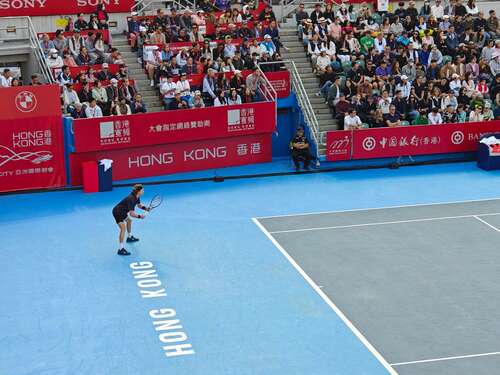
(205, 291)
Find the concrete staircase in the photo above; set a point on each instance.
(289, 38)
(296, 53)
(136, 72)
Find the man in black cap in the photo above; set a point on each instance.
(300, 149)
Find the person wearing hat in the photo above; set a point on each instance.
(197, 100)
(152, 60)
(273, 31)
(495, 63)
(104, 74)
(321, 29)
(198, 19)
(300, 149)
(184, 88)
(238, 82)
(167, 90)
(54, 60)
(455, 84)
(404, 86)
(445, 23)
(113, 91)
(267, 46)
(322, 62)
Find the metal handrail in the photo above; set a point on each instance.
(267, 88)
(42, 61)
(143, 5)
(303, 101)
(35, 45)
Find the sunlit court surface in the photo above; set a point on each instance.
(361, 272)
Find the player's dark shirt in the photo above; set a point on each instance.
(126, 205)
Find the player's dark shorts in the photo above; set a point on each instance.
(119, 216)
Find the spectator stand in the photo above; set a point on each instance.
(461, 86)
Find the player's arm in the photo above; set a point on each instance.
(143, 207)
(136, 215)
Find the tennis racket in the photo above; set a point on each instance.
(155, 202)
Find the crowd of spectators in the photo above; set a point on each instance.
(220, 44)
(95, 91)
(433, 65)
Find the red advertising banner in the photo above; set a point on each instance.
(178, 157)
(419, 140)
(31, 139)
(406, 140)
(60, 7)
(339, 145)
(117, 132)
(280, 81)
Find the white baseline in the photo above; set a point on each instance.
(476, 216)
(445, 359)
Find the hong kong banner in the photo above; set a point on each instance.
(31, 141)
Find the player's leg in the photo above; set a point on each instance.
(121, 238)
(130, 237)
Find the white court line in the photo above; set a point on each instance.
(485, 222)
(389, 222)
(329, 302)
(379, 208)
(445, 359)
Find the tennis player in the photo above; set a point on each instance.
(122, 213)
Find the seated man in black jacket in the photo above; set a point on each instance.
(300, 149)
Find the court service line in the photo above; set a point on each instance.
(381, 208)
(488, 224)
(328, 301)
(385, 223)
(445, 359)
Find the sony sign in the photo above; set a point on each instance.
(22, 4)
(93, 3)
(40, 4)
